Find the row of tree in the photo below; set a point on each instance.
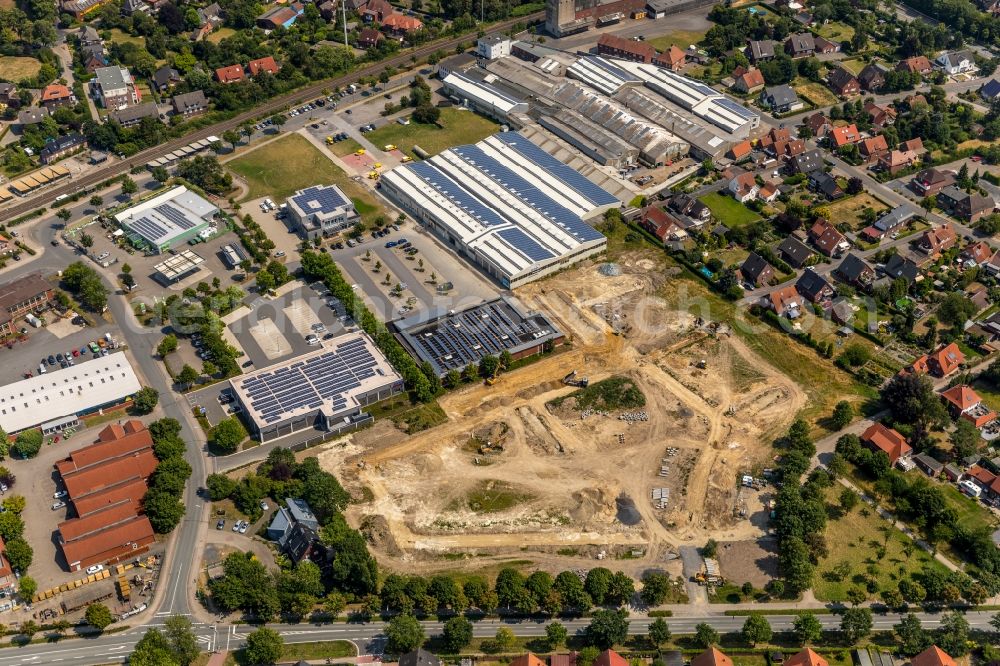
(162, 502)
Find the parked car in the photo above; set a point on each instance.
(264, 506)
(243, 527)
(58, 505)
(59, 495)
(221, 524)
(94, 569)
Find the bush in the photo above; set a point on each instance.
(228, 434)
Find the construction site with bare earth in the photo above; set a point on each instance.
(652, 455)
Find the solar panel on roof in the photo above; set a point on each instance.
(174, 215)
(446, 186)
(595, 194)
(525, 244)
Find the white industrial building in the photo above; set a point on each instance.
(324, 389)
(696, 97)
(322, 210)
(168, 219)
(56, 399)
(493, 46)
(507, 205)
(480, 95)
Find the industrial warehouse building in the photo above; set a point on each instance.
(106, 482)
(55, 400)
(506, 205)
(324, 389)
(489, 100)
(321, 210)
(168, 219)
(451, 340)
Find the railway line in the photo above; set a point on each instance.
(40, 200)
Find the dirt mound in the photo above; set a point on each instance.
(536, 434)
(376, 531)
(592, 504)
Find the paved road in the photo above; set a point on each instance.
(369, 637)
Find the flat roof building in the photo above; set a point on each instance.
(322, 210)
(168, 219)
(505, 204)
(326, 388)
(59, 397)
(478, 93)
(451, 340)
(177, 266)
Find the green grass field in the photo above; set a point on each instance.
(15, 68)
(849, 209)
(854, 66)
(856, 539)
(836, 31)
(125, 38)
(494, 497)
(680, 38)
(291, 163)
(345, 147)
(217, 36)
(728, 210)
(457, 128)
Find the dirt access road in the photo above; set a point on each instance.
(516, 470)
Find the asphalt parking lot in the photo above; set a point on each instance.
(58, 336)
(469, 285)
(275, 330)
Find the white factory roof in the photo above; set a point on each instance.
(329, 379)
(59, 393)
(692, 95)
(167, 215)
(601, 74)
(483, 93)
(507, 200)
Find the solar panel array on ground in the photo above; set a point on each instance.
(468, 336)
(309, 383)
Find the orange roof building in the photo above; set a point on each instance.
(807, 657)
(880, 438)
(74, 528)
(966, 403)
(266, 64)
(933, 656)
(112, 442)
(945, 360)
(139, 465)
(109, 543)
(231, 74)
(610, 658)
(527, 660)
(713, 656)
(132, 490)
(740, 150)
(400, 23)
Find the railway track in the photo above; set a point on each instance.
(269, 107)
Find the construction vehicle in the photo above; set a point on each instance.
(710, 573)
(495, 377)
(571, 380)
(389, 146)
(377, 165)
(359, 152)
(329, 140)
(406, 158)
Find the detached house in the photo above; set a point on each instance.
(819, 125)
(760, 51)
(855, 271)
(814, 288)
(827, 239)
(880, 438)
(749, 81)
(957, 62)
(966, 404)
(931, 181)
(975, 254)
(825, 184)
(872, 148)
(230, 74)
(189, 104)
(964, 205)
(800, 45)
(795, 252)
(946, 360)
(807, 162)
(400, 24)
(872, 77)
(55, 96)
(756, 271)
(915, 65)
(937, 240)
(843, 83)
(780, 99)
(266, 64)
(785, 302)
(880, 116)
(743, 186)
(842, 136)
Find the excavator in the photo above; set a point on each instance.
(495, 377)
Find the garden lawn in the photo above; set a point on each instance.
(218, 35)
(728, 210)
(345, 147)
(456, 128)
(835, 31)
(291, 163)
(849, 209)
(16, 68)
(853, 66)
(680, 38)
(125, 38)
(854, 539)
(815, 93)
